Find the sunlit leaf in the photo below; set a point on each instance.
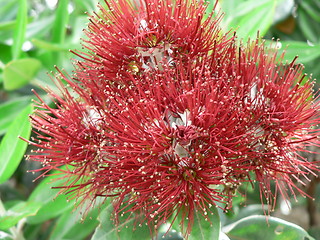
(18, 73)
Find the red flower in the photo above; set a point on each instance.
(128, 38)
(183, 127)
(162, 151)
(289, 116)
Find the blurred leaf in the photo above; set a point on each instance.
(18, 73)
(49, 46)
(306, 28)
(13, 215)
(249, 210)
(5, 51)
(303, 50)
(88, 6)
(61, 21)
(20, 29)
(223, 236)
(77, 32)
(312, 9)
(8, 10)
(7, 25)
(248, 17)
(9, 110)
(283, 10)
(205, 228)
(258, 227)
(54, 204)
(78, 223)
(40, 27)
(5, 236)
(12, 148)
(171, 235)
(52, 209)
(127, 230)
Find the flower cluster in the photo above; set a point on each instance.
(168, 115)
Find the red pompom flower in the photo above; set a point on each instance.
(166, 115)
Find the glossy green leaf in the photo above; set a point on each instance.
(13, 215)
(20, 28)
(18, 73)
(10, 110)
(11, 147)
(54, 204)
(127, 230)
(258, 227)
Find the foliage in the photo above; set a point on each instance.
(34, 37)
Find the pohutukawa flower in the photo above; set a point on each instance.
(167, 115)
(287, 125)
(130, 37)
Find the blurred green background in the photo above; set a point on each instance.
(36, 35)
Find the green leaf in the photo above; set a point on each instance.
(8, 10)
(11, 147)
(18, 212)
(10, 110)
(248, 17)
(204, 228)
(5, 55)
(18, 73)
(311, 10)
(50, 46)
(127, 230)
(61, 21)
(272, 228)
(54, 204)
(303, 50)
(304, 23)
(20, 29)
(7, 25)
(71, 224)
(39, 28)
